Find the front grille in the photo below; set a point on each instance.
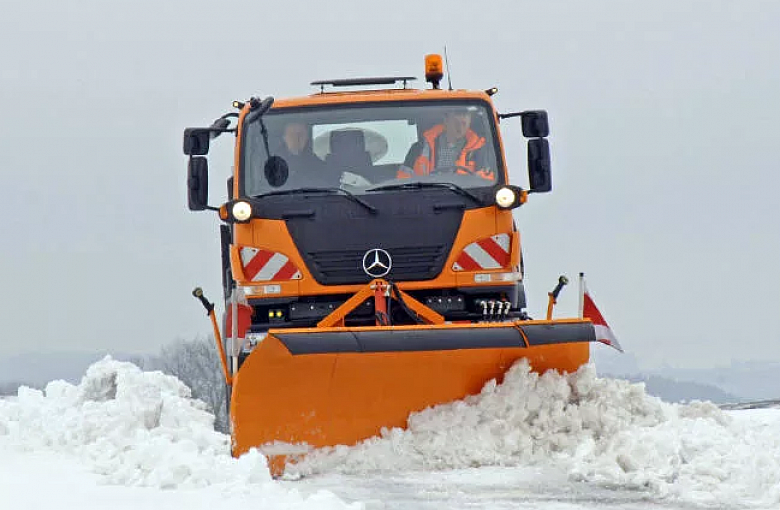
(346, 266)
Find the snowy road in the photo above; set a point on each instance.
(69, 484)
(481, 488)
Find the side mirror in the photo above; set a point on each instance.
(197, 183)
(196, 141)
(535, 124)
(539, 175)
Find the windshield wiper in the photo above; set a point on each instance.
(420, 185)
(330, 191)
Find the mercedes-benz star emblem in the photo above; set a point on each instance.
(377, 263)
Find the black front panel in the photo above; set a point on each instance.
(409, 263)
(417, 236)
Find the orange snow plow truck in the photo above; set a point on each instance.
(370, 262)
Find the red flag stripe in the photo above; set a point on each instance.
(603, 332)
(244, 314)
(590, 310)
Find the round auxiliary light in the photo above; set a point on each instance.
(505, 198)
(242, 211)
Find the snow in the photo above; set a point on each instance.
(601, 431)
(132, 439)
(132, 429)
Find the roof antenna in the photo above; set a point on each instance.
(447, 65)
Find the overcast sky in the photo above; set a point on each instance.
(665, 133)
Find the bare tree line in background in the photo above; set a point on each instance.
(196, 364)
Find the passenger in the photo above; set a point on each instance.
(451, 146)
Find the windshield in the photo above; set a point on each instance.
(370, 148)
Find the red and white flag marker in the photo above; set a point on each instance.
(589, 310)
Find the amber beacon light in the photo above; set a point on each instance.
(434, 69)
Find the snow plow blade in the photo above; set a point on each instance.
(307, 388)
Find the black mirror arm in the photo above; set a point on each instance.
(258, 108)
(516, 114)
(220, 125)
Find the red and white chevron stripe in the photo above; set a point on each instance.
(488, 253)
(265, 266)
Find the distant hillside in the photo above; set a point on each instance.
(672, 390)
(751, 380)
(761, 404)
(742, 381)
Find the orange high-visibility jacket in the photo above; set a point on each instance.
(426, 161)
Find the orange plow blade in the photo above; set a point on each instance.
(307, 388)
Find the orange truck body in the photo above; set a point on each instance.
(337, 381)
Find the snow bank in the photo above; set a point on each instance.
(139, 429)
(601, 430)
(143, 429)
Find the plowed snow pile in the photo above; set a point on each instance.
(141, 429)
(600, 430)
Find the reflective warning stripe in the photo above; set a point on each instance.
(488, 253)
(264, 266)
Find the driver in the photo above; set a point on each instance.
(296, 148)
(450, 145)
(305, 168)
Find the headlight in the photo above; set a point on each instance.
(242, 211)
(505, 198)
